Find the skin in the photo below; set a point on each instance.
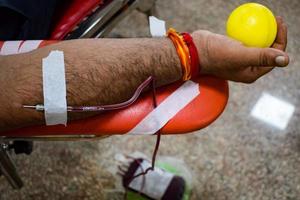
(106, 71)
(229, 59)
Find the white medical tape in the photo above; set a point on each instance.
(15, 47)
(54, 88)
(29, 45)
(157, 27)
(156, 182)
(10, 47)
(165, 111)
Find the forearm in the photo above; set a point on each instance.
(98, 72)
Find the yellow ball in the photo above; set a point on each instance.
(252, 24)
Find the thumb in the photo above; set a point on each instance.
(265, 57)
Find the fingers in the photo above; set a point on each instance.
(281, 38)
(261, 71)
(271, 56)
(251, 74)
(264, 57)
(279, 43)
(262, 60)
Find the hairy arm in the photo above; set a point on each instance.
(98, 72)
(106, 71)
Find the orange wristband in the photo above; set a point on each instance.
(183, 53)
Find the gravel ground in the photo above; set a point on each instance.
(237, 157)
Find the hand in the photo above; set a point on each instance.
(229, 59)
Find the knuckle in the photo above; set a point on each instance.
(284, 25)
(263, 58)
(279, 18)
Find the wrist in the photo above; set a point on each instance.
(201, 41)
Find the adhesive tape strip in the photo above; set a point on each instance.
(54, 88)
(10, 47)
(156, 183)
(165, 111)
(157, 27)
(29, 45)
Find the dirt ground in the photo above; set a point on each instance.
(237, 157)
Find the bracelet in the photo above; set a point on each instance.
(187, 52)
(183, 53)
(195, 61)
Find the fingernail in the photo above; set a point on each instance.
(280, 61)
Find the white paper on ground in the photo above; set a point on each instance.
(54, 88)
(165, 111)
(157, 27)
(156, 182)
(273, 111)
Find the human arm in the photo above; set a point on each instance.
(98, 72)
(106, 71)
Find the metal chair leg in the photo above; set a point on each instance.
(8, 168)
